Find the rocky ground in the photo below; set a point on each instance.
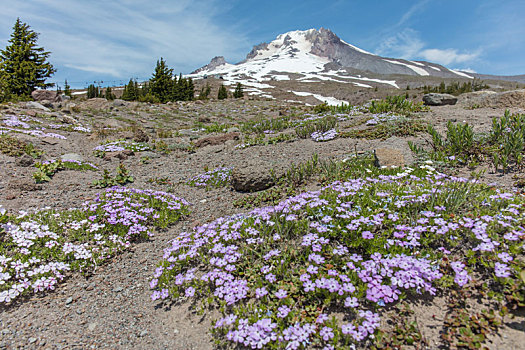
(111, 307)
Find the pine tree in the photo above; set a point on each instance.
(161, 84)
(67, 89)
(92, 91)
(223, 93)
(190, 90)
(108, 94)
(238, 93)
(131, 92)
(23, 65)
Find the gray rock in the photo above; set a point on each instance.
(36, 105)
(32, 340)
(92, 326)
(150, 155)
(69, 300)
(233, 129)
(118, 289)
(434, 99)
(256, 176)
(25, 161)
(72, 156)
(119, 103)
(388, 157)
(47, 103)
(43, 95)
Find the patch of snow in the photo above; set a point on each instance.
(435, 68)
(339, 75)
(418, 70)
(461, 73)
(331, 101)
(417, 63)
(78, 92)
(361, 85)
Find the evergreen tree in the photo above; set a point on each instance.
(238, 93)
(223, 93)
(190, 90)
(23, 65)
(92, 91)
(108, 94)
(67, 89)
(161, 84)
(131, 92)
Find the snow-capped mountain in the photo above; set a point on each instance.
(316, 55)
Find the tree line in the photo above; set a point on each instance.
(455, 88)
(24, 67)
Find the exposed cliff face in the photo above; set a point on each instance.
(215, 62)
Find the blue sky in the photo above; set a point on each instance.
(113, 41)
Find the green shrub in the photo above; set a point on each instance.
(396, 104)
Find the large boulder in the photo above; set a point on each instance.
(506, 99)
(46, 95)
(434, 99)
(256, 176)
(36, 105)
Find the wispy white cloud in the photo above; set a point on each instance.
(414, 9)
(448, 56)
(124, 38)
(407, 44)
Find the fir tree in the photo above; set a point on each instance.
(108, 94)
(67, 89)
(131, 92)
(223, 93)
(161, 84)
(190, 90)
(238, 93)
(92, 91)
(23, 65)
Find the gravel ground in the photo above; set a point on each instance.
(111, 308)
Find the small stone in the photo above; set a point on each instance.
(92, 326)
(118, 289)
(143, 333)
(25, 161)
(32, 340)
(72, 156)
(69, 300)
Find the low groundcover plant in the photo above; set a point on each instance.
(217, 177)
(39, 250)
(316, 269)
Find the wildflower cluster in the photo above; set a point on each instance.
(281, 275)
(324, 136)
(120, 145)
(37, 251)
(77, 128)
(382, 118)
(25, 125)
(217, 177)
